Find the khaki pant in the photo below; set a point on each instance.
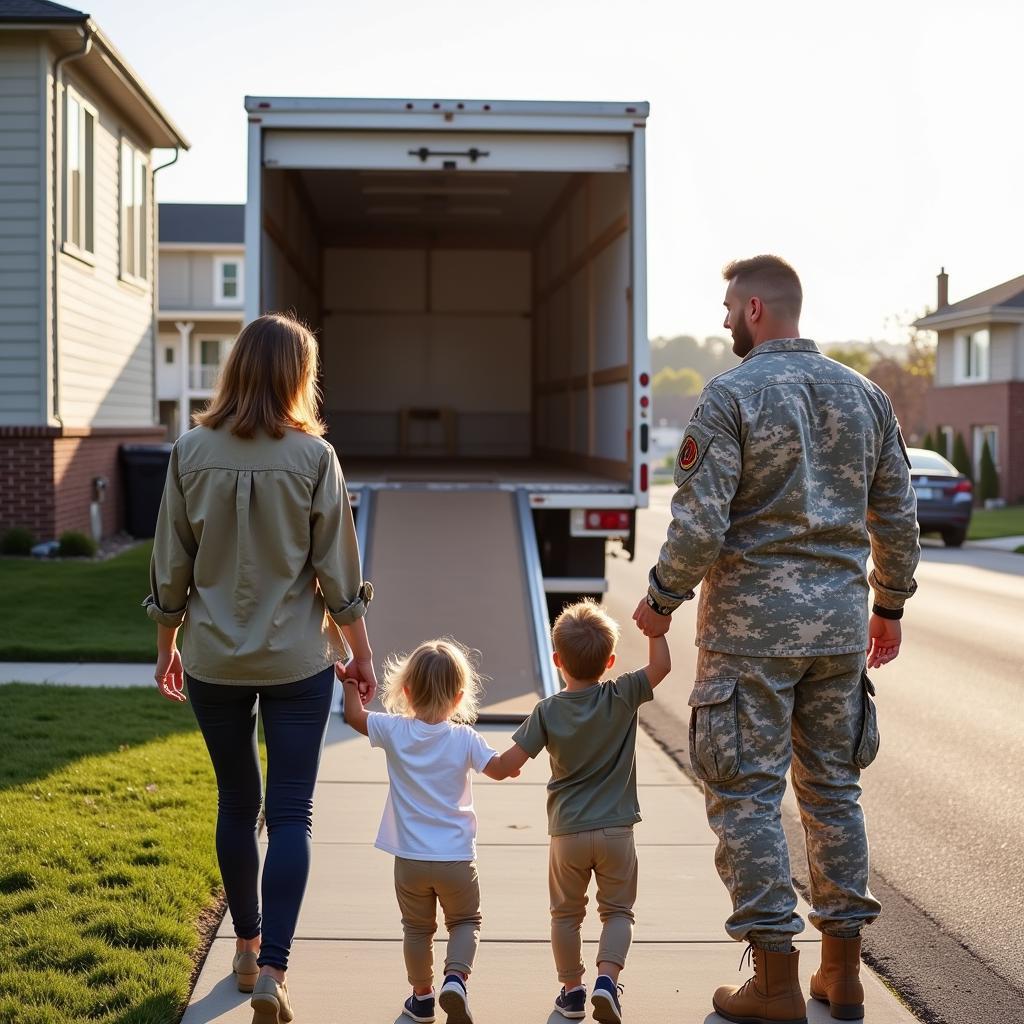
(608, 853)
(420, 885)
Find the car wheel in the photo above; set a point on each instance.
(954, 536)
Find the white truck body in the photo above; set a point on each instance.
(476, 275)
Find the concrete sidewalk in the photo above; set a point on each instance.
(347, 959)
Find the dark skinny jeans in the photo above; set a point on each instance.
(295, 717)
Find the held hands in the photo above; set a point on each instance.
(169, 675)
(884, 638)
(649, 622)
(358, 672)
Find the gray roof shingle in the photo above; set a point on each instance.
(38, 10)
(1009, 293)
(204, 223)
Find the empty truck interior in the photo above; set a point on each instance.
(475, 336)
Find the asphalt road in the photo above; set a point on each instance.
(944, 800)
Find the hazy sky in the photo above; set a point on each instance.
(866, 142)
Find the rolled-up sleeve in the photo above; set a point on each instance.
(174, 554)
(335, 550)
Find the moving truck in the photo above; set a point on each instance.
(475, 274)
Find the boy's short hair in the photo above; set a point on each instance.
(584, 636)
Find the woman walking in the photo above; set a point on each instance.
(255, 560)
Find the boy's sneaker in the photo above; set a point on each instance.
(572, 1004)
(605, 1000)
(454, 1000)
(420, 1008)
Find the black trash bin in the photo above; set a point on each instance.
(144, 470)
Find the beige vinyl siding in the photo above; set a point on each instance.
(1002, 352)
(175, 281)
(22, 253)
(105, 344)
(945, 354)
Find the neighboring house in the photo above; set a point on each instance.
(979, 377)
(77, 297)
(201, 274)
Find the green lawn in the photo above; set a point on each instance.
(76, 610)
(107, 863)
(997, 522)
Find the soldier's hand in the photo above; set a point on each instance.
(649, 622)
(884, 639)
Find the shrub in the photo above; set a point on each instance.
(988, 483)
(76, 545)
(17, 541)
(961, 460)
(928, 444)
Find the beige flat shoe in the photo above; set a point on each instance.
(270, 1003)
(246, 970)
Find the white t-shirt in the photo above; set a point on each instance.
(429, 811)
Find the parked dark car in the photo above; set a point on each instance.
(944, 496)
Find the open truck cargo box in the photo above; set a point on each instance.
(475, 274)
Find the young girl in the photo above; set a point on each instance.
(429, 824)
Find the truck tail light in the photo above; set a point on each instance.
(643, 476)
(644, 380)
(606, 519)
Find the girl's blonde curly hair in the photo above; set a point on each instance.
(427, 682)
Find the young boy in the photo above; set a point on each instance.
(589, 731)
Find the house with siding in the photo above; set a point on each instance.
(201, 279)
(77, 267)
(979, 377)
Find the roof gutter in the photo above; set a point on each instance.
(58, 206)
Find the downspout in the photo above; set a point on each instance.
(154, 234)
(58, 207)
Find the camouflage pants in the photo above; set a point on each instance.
(751, 719)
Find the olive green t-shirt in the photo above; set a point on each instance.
(590, 736)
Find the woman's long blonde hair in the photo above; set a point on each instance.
(428, 682)
(269, 380)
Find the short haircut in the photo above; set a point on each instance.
(584, 636)
(771, 279)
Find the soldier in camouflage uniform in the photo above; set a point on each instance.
(791, 472)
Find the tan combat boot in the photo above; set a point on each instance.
(837, 980)
(270, 1003)
(771, 996)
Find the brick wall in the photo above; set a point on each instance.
(46, 476)
(966, 406)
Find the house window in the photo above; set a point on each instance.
(227, 283)
(981, 435)
(169, 355)
(79, 149)
(204, 376)
(134, 175)
(972, 356)
(946, 441)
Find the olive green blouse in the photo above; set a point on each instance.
(255, 556)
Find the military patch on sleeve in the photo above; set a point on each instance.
(696, 442)
(688, 454)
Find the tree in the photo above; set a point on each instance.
(680, 383)
(858, 359)
(988, 485)
(961, 460)
(928, 444)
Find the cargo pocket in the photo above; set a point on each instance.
(868, 741)
(715, 729)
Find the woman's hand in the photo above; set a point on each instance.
(169, 675)
(361, 670)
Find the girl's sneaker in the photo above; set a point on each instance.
(454, 1000)
(605, 1000)
(572, 1004)
(420, 1008)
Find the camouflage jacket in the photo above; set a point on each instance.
(791, 472)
